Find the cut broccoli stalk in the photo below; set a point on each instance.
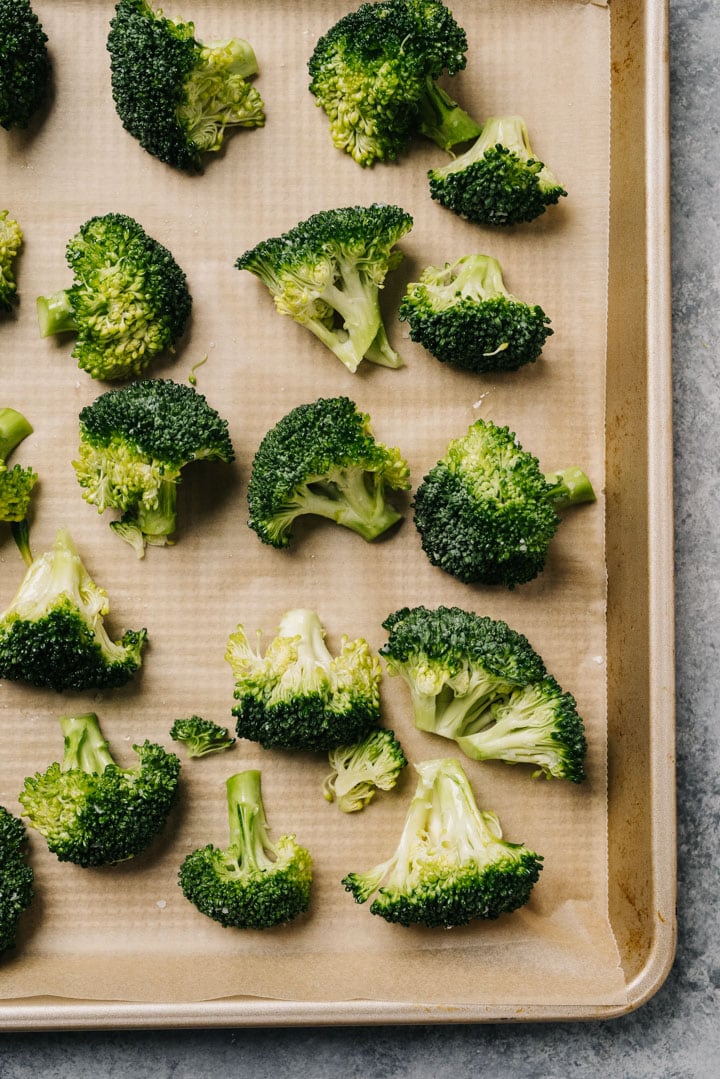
(56, 314)
(442, 120)
(569, 487)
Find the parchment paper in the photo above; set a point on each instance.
(127, 933)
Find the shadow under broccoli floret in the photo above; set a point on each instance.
(176, 95)
(16, 877)
(25, 67)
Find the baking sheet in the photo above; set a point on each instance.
(139, 945)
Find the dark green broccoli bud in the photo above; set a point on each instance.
(298, 695)
(360, 770)
(90, 810)
(374, 74)
(201, 736)
(135, 443)
(11, 238)
(16, 877)
(16, 483)
(452, 864)
(326, 274)
(255, 882)
(322, 459)
(128, 303)
(53, 633)
(25, 67)
(463, 314)
(498, 181)
(486, 513)
(456, 664)
(176, 95)
(475, 680)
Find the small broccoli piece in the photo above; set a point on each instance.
(498, 181)
(486, 513)
(25, 66)
(463, 314)
(326, 274)
(452, 864)
(53, 633)
(128, 303)
(359, 770)
(11, 238)
(135, 443)
(298, 695)
(176, 95)
(16, 483)
(322, 459)
(374, 74)
(201, 736)
(16, 877)
(255, 882)
(479, 682)
(90, 810)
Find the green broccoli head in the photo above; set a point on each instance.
(481, 683)
(16, 877)
(298, 695)
(452, 864)
(16, 483)
(374, 74)
(90, 810)
(135, 443)
(456, 664)
(128, 303)
(360, 770)
(201, 736)
(255, 882)
(176, 95)
(11, 238)
(486, 513)
(53, 633)
(326, 274)
(25, 67)
(498, 181)
(322, 459)
(463, 314)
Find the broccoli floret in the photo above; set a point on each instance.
(16, 483)
(90, 810)
(452, 864)
(359, 770)
(176, 95)
(477, 681)
(201, 736)
(326, 274)
(11, 238)
(255, 882)
(128, 303)
(53, 633)
(463, 314)
(16, 877)
(486, 513)
(298, 695)
(135, 443)
(322, 459)
(374, 74)
(25, 66)
(498, 181)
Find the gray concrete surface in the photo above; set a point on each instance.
(676, 1035)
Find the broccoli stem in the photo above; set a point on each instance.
(20, 531)
(158, 522)
(55, 314)
(442, 119)
(568, 487)
(85, 746)
(449, 715)
(381, 351)
(249, 840)
(13, 429)
(353, 498)
(356, 301)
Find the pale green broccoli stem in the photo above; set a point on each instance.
(13, 429)
(20, 531)
(381, 351)
(55, 314)
(445, 713)
(151, 525)
(356, 301)
(442, 119)
(568, 487)
(353, 498)
(85, 747)
(217, 96)
(249, 838)
(476, 835)
(508, 131)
